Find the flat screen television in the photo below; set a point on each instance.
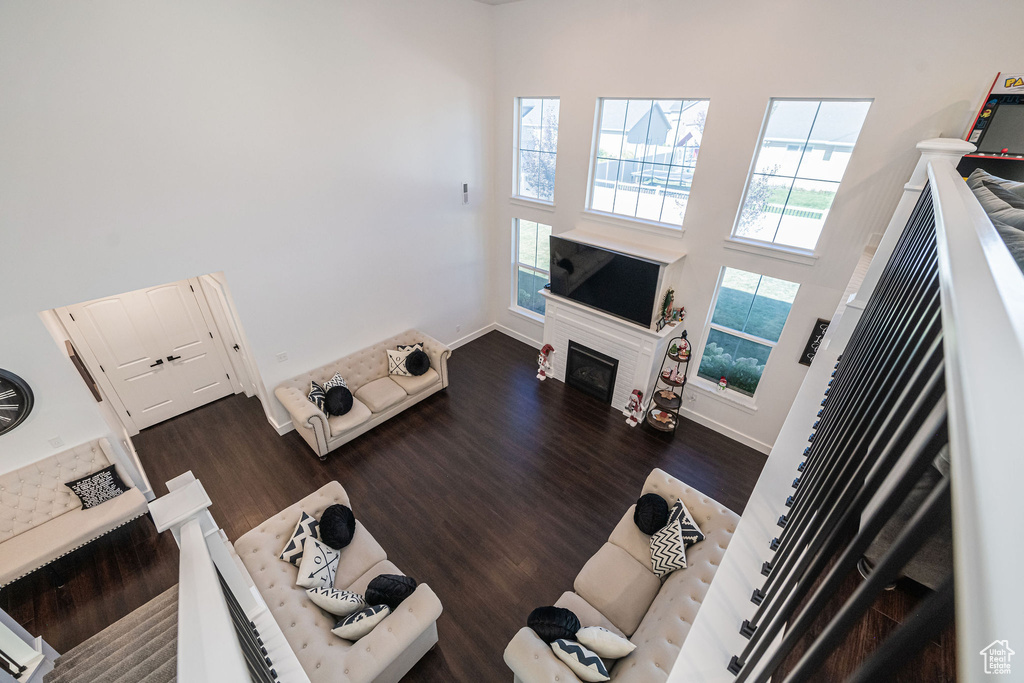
(619, 284)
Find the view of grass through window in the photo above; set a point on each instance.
(533, 250)
(749, 315)
(538, 147)
(803, 155)
(645, 157)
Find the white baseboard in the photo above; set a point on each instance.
(727, 431)
(472, 335)
(517, 335)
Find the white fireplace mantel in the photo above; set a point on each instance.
(639, 350)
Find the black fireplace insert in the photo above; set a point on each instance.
(591, 371)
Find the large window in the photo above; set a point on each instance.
(750, 312)
(532, 249)
(804, 152)
(537, 141)
(646, 152)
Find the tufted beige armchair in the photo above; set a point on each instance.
(377, 395)
(618, 590)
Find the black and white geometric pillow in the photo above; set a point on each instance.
(689, 529)
(98, 487)
(339, 603)
(317, 396)
(418, 346)
(358, 624)
(319, 565)
(396, 363)
(585, 664)
(668, 553)
(336, 381)
(307, 527)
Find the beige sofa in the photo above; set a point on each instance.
(386, 653)
(42, 520)
(618, 590)
(377, 396)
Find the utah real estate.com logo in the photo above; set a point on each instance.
(997, 657)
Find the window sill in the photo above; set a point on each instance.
(712, 391)
(793, 255)
(526, 313)
(532, 203)
(633, 223)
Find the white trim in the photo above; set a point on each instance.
(517, 121)
(771, 250)
(744, 439)
(462, 341)
(532, 203)
(526, 313)
(730, 397)
(633, 223)
(519, 336)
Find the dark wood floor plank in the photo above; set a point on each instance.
(495, 492)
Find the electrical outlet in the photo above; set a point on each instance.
(56, 442)
(282, 357)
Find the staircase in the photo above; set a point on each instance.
(140, 648)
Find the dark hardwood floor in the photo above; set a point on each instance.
(495, 493)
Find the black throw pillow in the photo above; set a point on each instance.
(651, 513)
(337, 524)
(552, 623)
(389, 589)
(338, 401)
(417, 362)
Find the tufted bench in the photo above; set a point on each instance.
(618, 590)
(383, 656)
(42, 520)
(377, 396)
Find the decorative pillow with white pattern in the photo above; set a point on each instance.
(396, 363)
(604, 643)
(336, 381)
(317, 396)
(668, 546)
(585, 664)
(358, 624)
(319, 565)
(339, 603)
(307, 527)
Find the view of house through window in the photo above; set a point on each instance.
(802, 157)
(645, 157)
(750, 312)
(533, 250)
(538, 146)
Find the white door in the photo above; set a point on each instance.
(157, 350)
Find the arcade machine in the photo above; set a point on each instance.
(998, 131)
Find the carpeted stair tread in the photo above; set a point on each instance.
(134, 627)
(133, 623)
(139, 648)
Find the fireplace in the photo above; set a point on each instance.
(591, 371)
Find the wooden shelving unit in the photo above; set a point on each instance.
(663, 406)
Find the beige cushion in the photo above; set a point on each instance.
(360, 584)
(586, 613)
(618, 586)
(46, 542)
(627, 536)
(380, 394)
(532, 660)
(415, 384)
(357, 557)
(356, 416)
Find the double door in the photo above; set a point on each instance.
(157, 348)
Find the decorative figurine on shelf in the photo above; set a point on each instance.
(721, 384)
(666, 304)
(634, 408)
(544, 362)
(663, 417)
(683, 350)
(672, 375)
(674, 349)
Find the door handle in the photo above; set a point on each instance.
(170, 358)
(159, 361)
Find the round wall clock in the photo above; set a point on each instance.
(15, 401)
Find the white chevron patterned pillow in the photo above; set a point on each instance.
(339, 603)
(585, 664)
(667, 550)
(358, 624)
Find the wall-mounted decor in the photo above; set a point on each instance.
(15, 401)
(83, 371)
(814, 341)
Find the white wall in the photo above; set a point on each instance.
(314, 151)
(914, 59)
